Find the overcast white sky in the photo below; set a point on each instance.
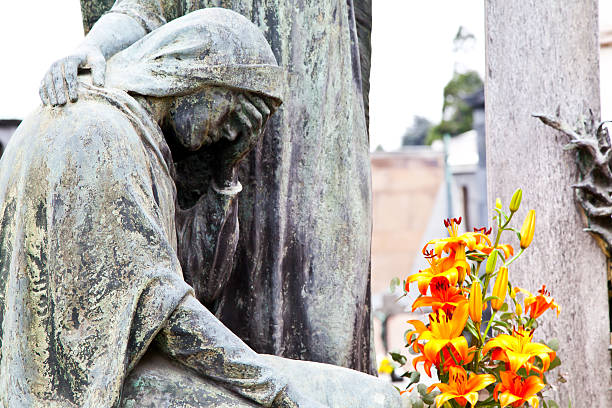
(412, 55)
(413, 59)
(33, 34)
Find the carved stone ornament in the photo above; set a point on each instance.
(594, 189)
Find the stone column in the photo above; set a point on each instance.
(543, 57)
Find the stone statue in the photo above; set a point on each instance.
(305, 213)
(94, 310)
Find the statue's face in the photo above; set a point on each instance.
(203, 118)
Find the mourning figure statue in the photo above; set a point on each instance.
(103, 276)
(305, 208)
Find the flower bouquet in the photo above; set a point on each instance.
(488, 360)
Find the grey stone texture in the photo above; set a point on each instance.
(542, 57)
(305, 213)
(95, 247)
(158, 381)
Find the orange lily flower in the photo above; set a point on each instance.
(443, 296)
(420, 328)
(460, 388)
(445, 329)
(517, 350)
(516, 390)
(457, 243)
(450, 354)
(485, 247)
(457, 261)
(531, 366)
(538, 304)
(447, 267)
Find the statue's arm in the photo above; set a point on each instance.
(207, 236)
(127, 22)
(198, 340)
(208, 232)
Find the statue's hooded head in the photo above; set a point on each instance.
(200, 62)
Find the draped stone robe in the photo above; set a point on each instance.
(301, 274)
(89, 275)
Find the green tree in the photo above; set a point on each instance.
(417, 132)
(456, 114)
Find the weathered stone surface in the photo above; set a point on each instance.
(92, 10)
(158, 382)
(93, 246)
(305, 216)
(363, 17)
(351, 388)
(542, 57)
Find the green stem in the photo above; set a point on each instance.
(487, 281)
(477, 358)
(489, 325)
(483, 338)
(485, 286)
(514, 258)
(501, 228)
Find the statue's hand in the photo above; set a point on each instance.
(244, 128)
(241, 133)
(61, 78)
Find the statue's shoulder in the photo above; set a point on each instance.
(93, 113)
(89, 128)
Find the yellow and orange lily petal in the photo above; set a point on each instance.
(455, 242)
(450, 355)
(538, 304)
(461, 388)
(508, 250)
(443, 296)
(515, 391)
(437, 268)
(445, 329)
(531, 366)
(485, 247)
(456, 261)
(419, 328)
(528, 229)
(427, 364)
(518, 349)
(500, 288)
(475, 302)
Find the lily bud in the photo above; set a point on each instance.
(475, 305)
(500, 289)
(498, 203)
(519, 309)
(515, 202)
(491, 261)
(528, 229)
